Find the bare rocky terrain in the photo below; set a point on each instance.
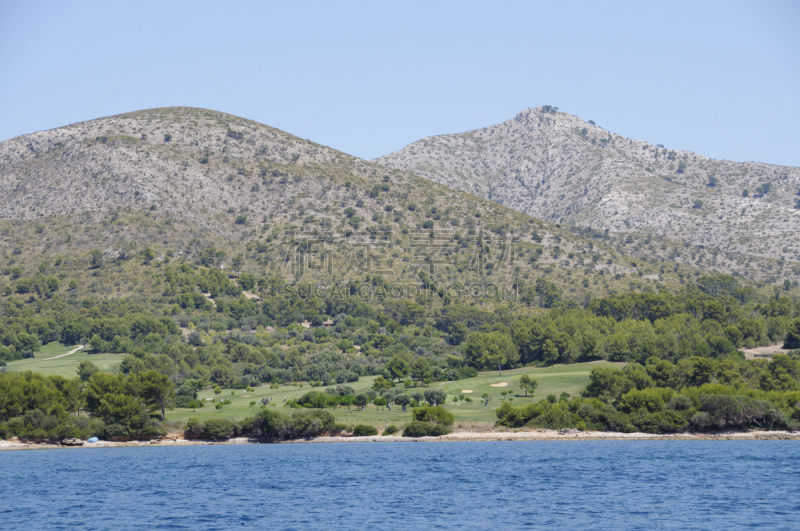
(654, 201)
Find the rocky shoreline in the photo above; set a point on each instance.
(466, 436)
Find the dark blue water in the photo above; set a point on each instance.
(454, 485)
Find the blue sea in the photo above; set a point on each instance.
(447, 485)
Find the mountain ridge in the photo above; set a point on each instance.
(558, 168)
(183, 182)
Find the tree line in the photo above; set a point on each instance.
(694, 394)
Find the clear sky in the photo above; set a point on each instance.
(368, 77)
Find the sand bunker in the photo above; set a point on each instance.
(501, 384)
(466, 390)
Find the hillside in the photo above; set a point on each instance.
(183, 184)
(180, 247)
(735, 217)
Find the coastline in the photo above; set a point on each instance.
(177, 440)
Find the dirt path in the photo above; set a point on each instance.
(73, 351)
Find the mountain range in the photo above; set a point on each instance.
(193, 186)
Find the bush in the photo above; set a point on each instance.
(346, 376)
(116, 430)
(738, 411)
(362, 430)
(309, 423)
(792, 340)
(194, 427)
(467, 372)
(183, 401)
(391, 429)
(317, 399)
(219, 428)
(669, 421)
(417, 428)
(268, 423)
(437, 414)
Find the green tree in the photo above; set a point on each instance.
(548, 293)
(528, 384)
(490, 350)
(403, 400)
(792, 340)
(154, 388)
(361, 401)
(421, 369)
(237, 262)
(148, 255)
(27, 344)
(86, 369)
(436, 397)
(96, 258)
(381, 383)
(398, 367)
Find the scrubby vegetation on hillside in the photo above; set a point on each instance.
(650, 200)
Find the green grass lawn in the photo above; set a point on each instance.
(47, 361)
(556, 380)
(52, 349)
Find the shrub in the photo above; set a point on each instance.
(116, 430)
(195, 339)
(194, 427)
(792, 340)
(183, 401)
(362, 430)
(417, 428)
(317, 399)
(391, 429)
(219, 428)
(268, 423)
(346, 376)
(309, 423)
(732, 411)
(437, 414)
(668, 421)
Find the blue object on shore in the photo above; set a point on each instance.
(92, 439)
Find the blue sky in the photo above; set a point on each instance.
(369, 77)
